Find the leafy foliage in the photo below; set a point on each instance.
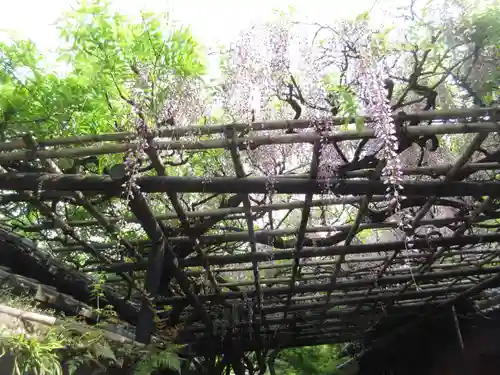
(45, 352)
(106, 60)
(33, 354)
(313, 360)
(157, 360)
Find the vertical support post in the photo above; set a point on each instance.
(457, 329)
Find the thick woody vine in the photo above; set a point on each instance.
(371, 92)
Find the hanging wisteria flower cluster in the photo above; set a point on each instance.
(374, 96)
(329, 161)
(256, 81)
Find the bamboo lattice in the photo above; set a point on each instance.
(327, 284)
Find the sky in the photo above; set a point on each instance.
(212, 21)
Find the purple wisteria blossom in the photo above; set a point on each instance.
(377, 106)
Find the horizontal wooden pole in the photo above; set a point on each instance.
(47, 320)
(428, 170)
(209, 213)
(265, 236)
(312, 277)
(347, 284)
(322, 263)
(94, 184)
(460, 114)
(316, 305)
(375, 297)
(243, 236)
(301, 330)
(307, 319)
(433, 171)
(314, 252)
(46, 294)
(340, 316)
(254, 141)
(269, 341)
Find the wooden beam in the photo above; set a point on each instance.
(315, 252)
(94, 184)
(205, 213)
(349, 284)
(476, 253)
(254, 141)
(460, 114)
(317, 309)
(269, 237)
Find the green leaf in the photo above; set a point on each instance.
(165, 359)
(360, 124)
(172, 361)
(104, 351)
(362, 17)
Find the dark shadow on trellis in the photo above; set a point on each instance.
(314, 299)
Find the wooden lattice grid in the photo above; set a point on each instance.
(327, 289)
